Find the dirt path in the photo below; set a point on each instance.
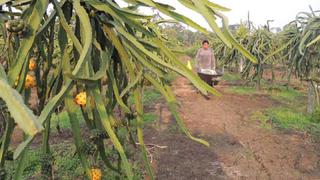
(240, 148)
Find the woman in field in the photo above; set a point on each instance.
(205, 60)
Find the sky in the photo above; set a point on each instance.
(281, 11)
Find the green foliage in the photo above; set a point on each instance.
(66, 164)
(33, 165)
(22, 115)
(62, 119)
(149, 117)
(259, 41)
(192, 51)
(227, 76)
(315, 116)
(150, 96)
(227, 56)
(170, 77)
(301, 48)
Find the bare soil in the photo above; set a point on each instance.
(239, 147)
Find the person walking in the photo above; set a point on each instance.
(205, 60)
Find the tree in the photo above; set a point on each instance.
(303, 51)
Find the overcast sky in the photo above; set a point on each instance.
(281, 11)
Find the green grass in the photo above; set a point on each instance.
(243, 90)
(287, 119)
(67, 165)
(284, 94)
(262, 118)
(278, 92)
(170, 77)
(63, 120)
(149, 117)
(227, 76)
(315, 116)
(31, 168)
(151, 96)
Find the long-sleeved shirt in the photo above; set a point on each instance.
(205, 59)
